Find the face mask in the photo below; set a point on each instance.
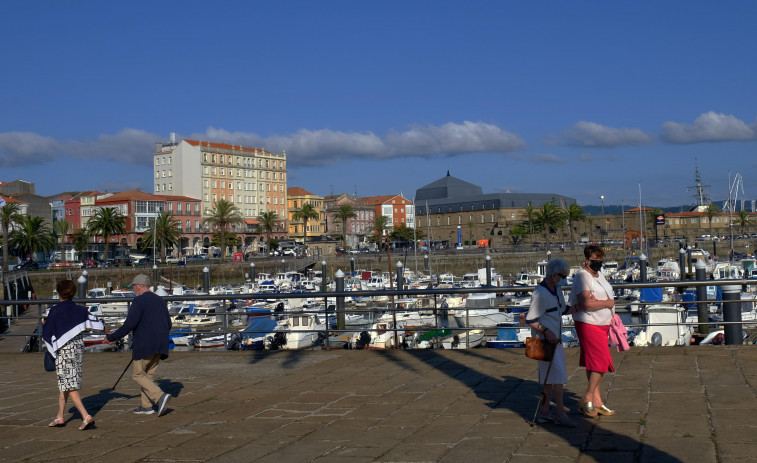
(595, 265)
(562, 282)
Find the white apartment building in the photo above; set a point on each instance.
(252, 179)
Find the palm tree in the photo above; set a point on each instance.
(166, 231)
(549, 217)
(107, 222)
(32, 235)
(80, 240)
(380, 223)
(61, 228)
(710, 212)
(266, 223)
(9, 214)
(743, 220)
(530, 218)
(574, 213)
(223, 214)
(308, 212)
(344, 213)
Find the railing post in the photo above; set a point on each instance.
(155, 275)
(283, 265)
(732, 313)
(352, 265)
(339, 275)
(702, 309)
(425, 263)
(206, 280)
(400, 279)
(689, 266)
(82, 281)
(488, 270)
(682, 263)
(323, 277)
(643, 267)
(252, 272)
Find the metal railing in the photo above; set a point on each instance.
(13, 310)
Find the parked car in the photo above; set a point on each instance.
(28, 265)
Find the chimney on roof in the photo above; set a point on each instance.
(173, 138)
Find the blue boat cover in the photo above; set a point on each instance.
(651, 295)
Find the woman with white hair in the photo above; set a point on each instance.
(545, 318)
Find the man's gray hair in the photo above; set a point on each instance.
(556, 266)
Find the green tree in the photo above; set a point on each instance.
(9, 214)
(517, 234)
(221, 216)
(401, 233)
(743, 220)
(61, 228)
(80, 241)
(267, 221)
(107, 222)
(380, 223)
(711, 212)
(344, 213)
(231, 239)
(166, 231)
(549, 217)
(305, 214)
(471, 226)
(574, 213)
(530, 218)
(31, 236)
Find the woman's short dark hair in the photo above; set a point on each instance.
(66, 289)
(593, 249)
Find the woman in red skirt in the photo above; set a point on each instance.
(593, 307)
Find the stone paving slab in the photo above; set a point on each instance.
(685, 404)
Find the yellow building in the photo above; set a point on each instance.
(296, 198)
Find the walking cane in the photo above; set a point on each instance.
(127, 367)
(542, 397)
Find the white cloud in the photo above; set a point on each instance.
(26, 148)
(304, 147)
(591, 134)
(324, 147)
(710, 127)
(585, 157)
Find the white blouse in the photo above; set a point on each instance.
(600, 289)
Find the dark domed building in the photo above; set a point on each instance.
(448, 203)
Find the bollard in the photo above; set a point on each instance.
(682, 263)
(702, 309)
(252, 272)
(206, 280)
(339, 301)
(643, 267)
(488, 270)
(689, 266)
(82, 281)
(155, 276)
(400, 279)
(732, 313)
(85, 274)
(323, 276)
(352, 265)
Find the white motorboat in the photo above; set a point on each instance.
(300, 331)
(464, 340)
(666, 327)
(481, 311)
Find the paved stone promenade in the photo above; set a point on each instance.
(693, 404)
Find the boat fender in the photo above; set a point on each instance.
(657, 339)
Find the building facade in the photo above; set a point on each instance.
(296, 198)
(450, 209)
(252, 179)
(354, 229)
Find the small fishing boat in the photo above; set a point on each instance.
(464, 340)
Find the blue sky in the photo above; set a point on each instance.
(584, 99)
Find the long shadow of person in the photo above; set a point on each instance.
(521, 396)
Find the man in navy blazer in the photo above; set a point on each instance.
(150, 323)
